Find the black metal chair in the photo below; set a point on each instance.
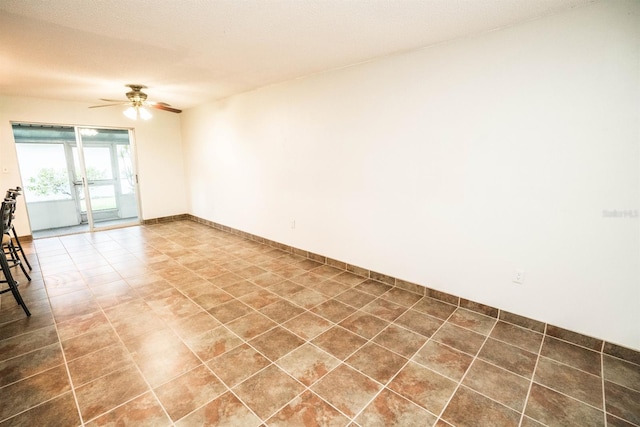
(12, 194)
(7, 245)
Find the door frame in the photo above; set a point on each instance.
(72, 173)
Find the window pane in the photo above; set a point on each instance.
(44, 172)
(125, 169)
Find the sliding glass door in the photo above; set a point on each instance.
(76, 178)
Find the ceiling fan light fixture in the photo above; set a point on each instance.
(134, 112)
(144, 113)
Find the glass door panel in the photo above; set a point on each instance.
(109, 177)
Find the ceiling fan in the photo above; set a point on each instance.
(138, 101)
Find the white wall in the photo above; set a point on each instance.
(453, 166)
(158, 147)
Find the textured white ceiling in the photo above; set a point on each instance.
(192, 51)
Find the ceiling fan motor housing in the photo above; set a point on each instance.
(135, 95)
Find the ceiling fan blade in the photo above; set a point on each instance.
(163, 106)
(108, 105)
(113, 100)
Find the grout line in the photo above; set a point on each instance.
(64, 356)
(604, 394)
(533, 374)
(464, 375)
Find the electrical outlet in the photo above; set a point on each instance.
(518, 277)
(293, 224)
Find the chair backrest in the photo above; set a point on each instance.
(6, 213)
(13, 193)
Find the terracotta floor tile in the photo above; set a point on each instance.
(333, 310)
(554, 409)
(401, 296)
(459, 338)
(613, 421)
(400, 340)
(377, 362)
(326, 271)
(308, 364)
(152, 342)
(435, 308)
(25, 343)
(163, 365)
(95, 339)
(339, 342)
(307, 325)
(364, 324)
(251, 325)
(472, 320)
(268, 391)
(129, 328)
(259, 299)
(281, 311)
(423, 387)
(419, 322)
(622, 372)
(226, 410)
(105, 393)
(62, 409)
(143, 411)
(443, 359)
(373, 287)
(391, 409)
(211, 297)
(225, 279)
(267, 279)
(276, 343)
(308, 279)
(355, 298)
(346, 389)
(622, 402)
(470, 409)
(24, 325)
(241, 288)
(525, 339)
(498, 384)
(529, 422)
(99, 363)
(385, 309)
(189, 391)
(195, 325)
(308, 298)
(230, 310)
(285, 289)
(310, 411)
(213, 343)
(238, 364)
(28, 364)
(331, 288)
(127, 309)
(349, 279)
(567, 380)
(506, 356)
(32, 391)
(572, 355)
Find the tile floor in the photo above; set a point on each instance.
(181, 324)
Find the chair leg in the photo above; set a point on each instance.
(15, 259)
(24, 256)
(13, 285)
